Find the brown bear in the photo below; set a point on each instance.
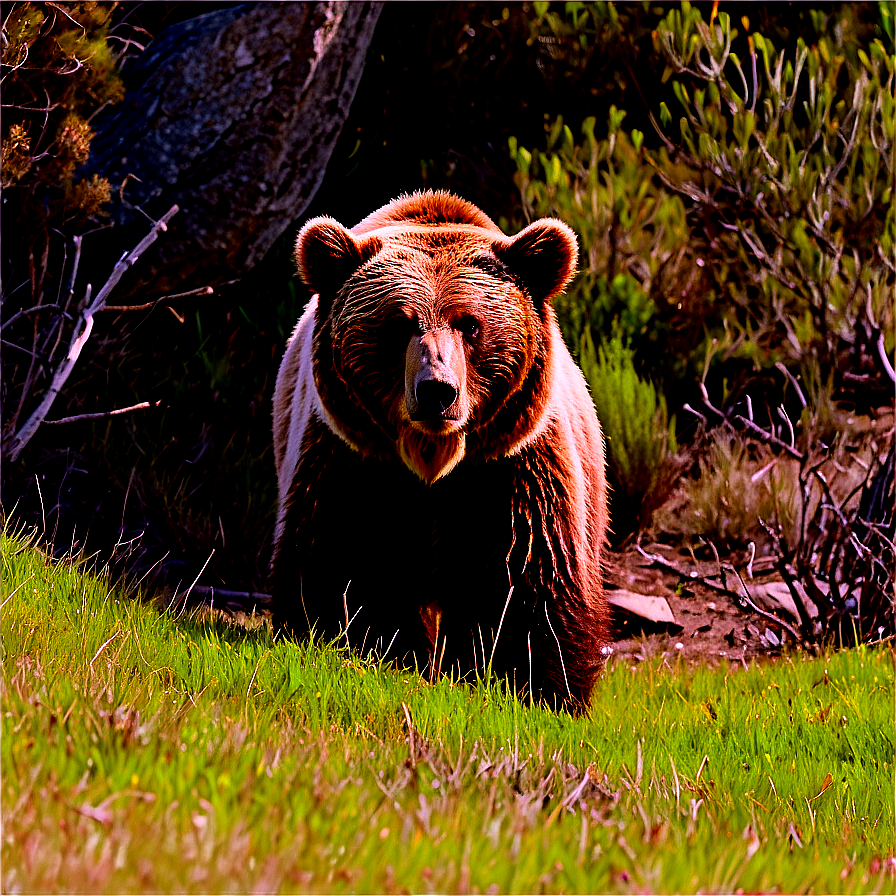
(440, 463)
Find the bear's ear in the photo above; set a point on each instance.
(543, 256)
(327, 254)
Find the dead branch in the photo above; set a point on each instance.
(25, 311)
(81, 334)
(100, 414)
(200, 291)
(751, 427)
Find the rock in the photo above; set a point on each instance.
(776, 595)
(632, 610)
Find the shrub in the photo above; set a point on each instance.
(786, 163)
(737, 489)
(636, 261)
(639, 435)
(58, 70)
(760, 233)
(766, 222)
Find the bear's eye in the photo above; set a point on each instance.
(396, 333)
(469, 326)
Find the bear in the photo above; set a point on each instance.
(440, 465)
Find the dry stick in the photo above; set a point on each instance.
(793, 382)
(24, 311)
(200, 291)
(100, 414)
(73, 276)
(755, 430)
(23, 436)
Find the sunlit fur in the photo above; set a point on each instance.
(452, 523)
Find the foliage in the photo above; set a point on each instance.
(58, 69)
(639, 435)
(634, 236)
(780, 194)
(787, 165)
(145, 750)
(755, 233)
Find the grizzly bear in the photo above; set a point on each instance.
(440, 463)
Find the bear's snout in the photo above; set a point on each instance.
(434, 377)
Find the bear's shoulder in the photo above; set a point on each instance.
(435, 208)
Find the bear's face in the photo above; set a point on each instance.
(425, 334)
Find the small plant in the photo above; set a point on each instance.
(639, 435)
(738, 488)
(762, 218)
(636, 268)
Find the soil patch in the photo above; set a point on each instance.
(709, 627)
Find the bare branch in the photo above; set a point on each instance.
(793, 382)
(884, 360)
(755, 430)
(741, 598)
(200, 291)
(25, 311)
(101, 414)
(80, 336)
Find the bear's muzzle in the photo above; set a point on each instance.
(435, 372)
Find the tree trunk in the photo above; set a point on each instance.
(232, 116)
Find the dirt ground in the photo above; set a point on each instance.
(709, 627)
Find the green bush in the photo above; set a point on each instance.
(59, 70)
(639, 435)
(786, 161)
(634, 238)
(764, 216)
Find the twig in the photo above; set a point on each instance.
(80, 336)
(695, 412)
(100, 414)
(20, 348)
(200, 291)
(755, 430)
(793, 382)
(884, 360)
(24, 311)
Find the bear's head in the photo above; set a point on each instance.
(433, 329)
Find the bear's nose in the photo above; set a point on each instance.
(434, 397)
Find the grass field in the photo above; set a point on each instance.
(144, 751)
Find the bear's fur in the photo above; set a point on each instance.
(440, 464)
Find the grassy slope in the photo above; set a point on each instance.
(142, 752)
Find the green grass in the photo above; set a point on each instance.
(142, 751)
